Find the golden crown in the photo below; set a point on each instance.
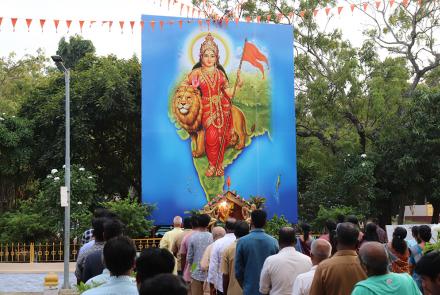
(209, 44)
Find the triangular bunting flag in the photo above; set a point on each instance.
(110, 23)
(198, 13)
(180, 23)
(121, 24)
(68, 23)
(327, 10)
(352, 7)
(226, 20)
(279, 16)
(248, 19)
(315, 12)
(340, 9)
(171, 22)
(56, 22)
(42, 22)
(405, 3)
(1, 19)
(378, 4)
(181, 7)
(302, 13)
(208, 22)
(81, 24)
(161, 24)
(14, 22)
(142, 25)
(132, 25)
(391, 3)
(152, 23)
(28, 23)
(365, 5)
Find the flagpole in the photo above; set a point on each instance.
(222, 141)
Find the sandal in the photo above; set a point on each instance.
(210, 171)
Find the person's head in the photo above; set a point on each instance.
(371, 232)
(320, 250)
(330, 225)
(163, 284)
(353, 219)
(153, 261)
(258, 218)
(119, 254)
(425, 233)
(374, 259)
(112, 228)
(241, 229)
(347, 235)
(415, 233)
(100, 212)
(340, 218)
(230, 225)
(187, 223)
(209, 53)
(428, 268)
(398, 242)
(98, 228)
(218, 232)
(177, 221)
(286, 237)
(194, 221)
(204, 220)
(306, 230)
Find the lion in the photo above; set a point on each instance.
(187, 110)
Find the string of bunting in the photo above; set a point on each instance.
(193, 15)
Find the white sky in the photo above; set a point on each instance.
(123, 45)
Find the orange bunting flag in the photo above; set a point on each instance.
(258, 18)
(1, 19)
(81, 24)
(110, 23)
(302, 13)
(198, 13)
(56, 22)
(279, 16)
(378, 4)
(208, 22)
(340, 9)
(152, 23)
(365, 6)
(68, 23)
(28, 23)
(42, 22)
(228, 182)
(180, 23)
(252, 55)
(132, 25)
(142, 25)
(391, 3)
(327, 10)
(315, 12)
(121, 24)
(405, 3)
(161, 24)
(352, 7)
(14, 22)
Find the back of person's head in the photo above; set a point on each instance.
(286, 236)
(204, 220)
(371, 232)
(415, 232)
(177, 221)
(230, 225)
(258, 218)
(119, 254)
(100, 212)
(347, 235)
(112, 228)
(218, 232)
(195, 220)
(153, 261)
(163, 284)
(340, 218)
(398, 242)
(306, 230)
(321, 249)
(187, 223)
(98, 228)
(425, 233)
(330, 225)
(352, 219)
(241, 229)
(374, 258)
(429, 266)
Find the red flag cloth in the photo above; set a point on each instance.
(68, 23)
(132, 25)
(340, 9)
(228, 181)
(56, 23)
(252, 55)
(28, 23)
(14, 22)
(378, 4)
(327, 10)
(315, 12)
(81, 24)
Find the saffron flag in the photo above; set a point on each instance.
(252, 55)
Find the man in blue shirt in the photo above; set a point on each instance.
(252, 251)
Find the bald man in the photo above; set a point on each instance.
(321, 250)
(375, 262)
(170, 237)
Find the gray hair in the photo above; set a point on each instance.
(321, 248)
(177, 220)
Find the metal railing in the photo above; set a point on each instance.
(53, 251)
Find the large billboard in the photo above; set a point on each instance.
(217, 104)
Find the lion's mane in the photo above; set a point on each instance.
(191, 121)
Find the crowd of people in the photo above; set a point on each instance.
(240, 258)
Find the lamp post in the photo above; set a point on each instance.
(60, 65)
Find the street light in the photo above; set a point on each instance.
(60, 65)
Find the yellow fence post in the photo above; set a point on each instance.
(31, 252)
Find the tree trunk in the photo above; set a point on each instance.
(436, 212)
(401, 213)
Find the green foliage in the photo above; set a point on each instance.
(274, 225)
(257, 201)
(82, 287)
(74, 50)
(332, 213)
(133, 215)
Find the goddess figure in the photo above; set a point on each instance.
(216, 95)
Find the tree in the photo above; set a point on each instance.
(74, 50)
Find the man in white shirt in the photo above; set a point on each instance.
(280, 270)
(215, 276)
(169, 238)
(320, 250)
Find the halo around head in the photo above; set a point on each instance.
(214, 42)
